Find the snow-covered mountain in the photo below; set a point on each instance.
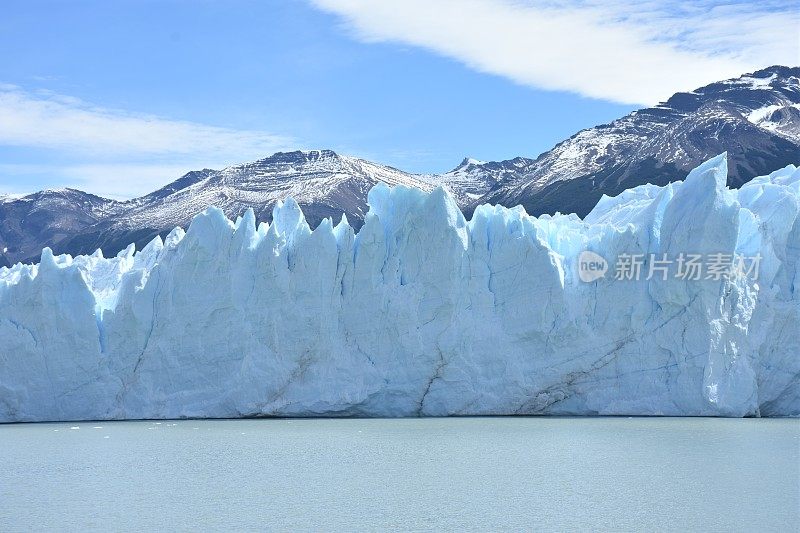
(755, 118)
(422, 312)
(322, 182)
(46, 218)
(472, 179)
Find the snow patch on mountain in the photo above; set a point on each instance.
(756, 118)
(472, 178)
(759, 115)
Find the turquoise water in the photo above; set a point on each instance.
(412, 474)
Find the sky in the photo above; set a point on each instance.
(120, 98)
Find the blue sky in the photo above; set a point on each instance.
(121, 97)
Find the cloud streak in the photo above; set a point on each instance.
(117, 180)
(48, 120)
(112, 152)
(618, 50)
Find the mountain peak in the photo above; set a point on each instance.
(774, 78)
(298, 157)
(467, 162)
(63, 193)
(755, 118)
(60, 191)
(780, 71)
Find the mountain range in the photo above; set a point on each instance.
(755, 118)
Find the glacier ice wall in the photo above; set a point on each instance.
(419, 313)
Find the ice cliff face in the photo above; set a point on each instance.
(419, 313)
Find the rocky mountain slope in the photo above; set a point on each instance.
(324, 184)
(46, 218)
(754, 118)
(472, 179)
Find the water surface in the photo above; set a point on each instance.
(456, 473)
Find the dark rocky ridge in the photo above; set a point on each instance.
(754, 118)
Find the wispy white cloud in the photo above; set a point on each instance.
(50, 120)
(120, 180)
(112, 152)
(628, 51)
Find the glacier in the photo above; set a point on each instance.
(420, 313)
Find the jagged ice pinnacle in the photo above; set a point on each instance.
(419, 313)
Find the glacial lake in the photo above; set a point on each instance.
(410, 474)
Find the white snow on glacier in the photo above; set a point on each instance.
(419, 313)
